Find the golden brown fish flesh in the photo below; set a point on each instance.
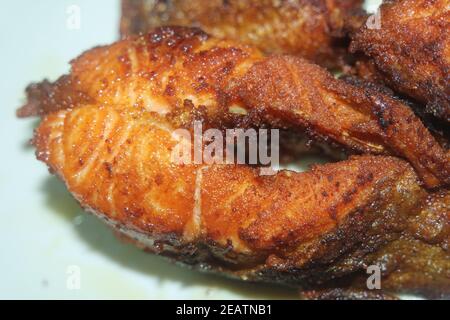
(310, 29)
(185, 75)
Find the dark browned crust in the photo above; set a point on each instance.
(419, 261)
(411, 51)
(47, 97)
(362, 76)
(411, 266)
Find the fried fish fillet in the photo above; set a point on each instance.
(411, 51)
(293, 228)
(185, 75)
(310, 29)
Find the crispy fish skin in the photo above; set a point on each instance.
(358, 117)
(293, 228)
(184, 74)
(411, 266)
(435, 212)
(411, 51)
(418, 261)
(310, 29)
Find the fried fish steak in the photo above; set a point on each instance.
(291, 228)
(310, 29)
(186, 75)
(108, 131)
(411, 51)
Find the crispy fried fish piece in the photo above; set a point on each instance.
(310, 29)
(419, 261)
(184, 74)
(411, 51)
(290, 228)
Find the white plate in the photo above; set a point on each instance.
(44, 234)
